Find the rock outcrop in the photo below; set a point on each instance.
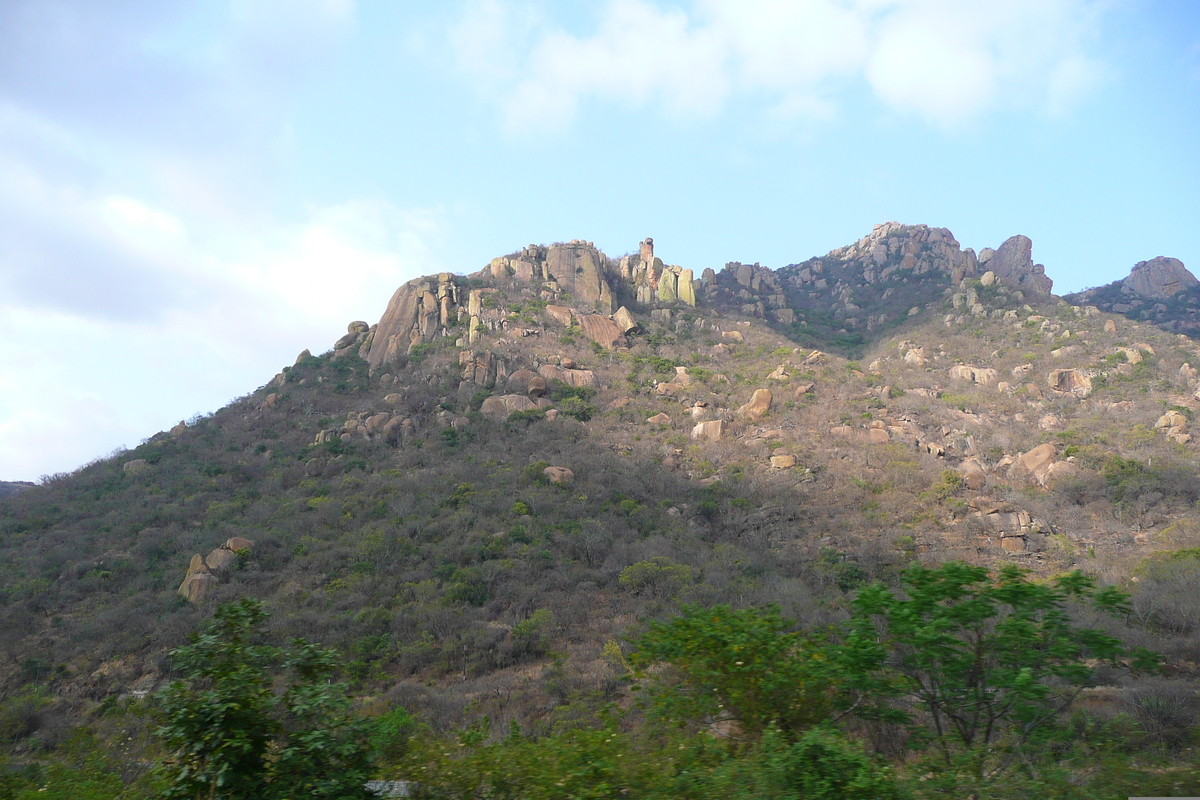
(1159, 278)
(966, 372)
(1071, 382)
(1013, 264)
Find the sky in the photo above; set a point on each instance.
(191, 193)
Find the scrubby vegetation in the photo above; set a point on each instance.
(761, 613)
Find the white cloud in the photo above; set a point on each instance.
(949, 62)
(144, 276)
(77, 381)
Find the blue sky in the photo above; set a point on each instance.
(193, 192)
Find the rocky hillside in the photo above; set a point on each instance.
(1160, 291)
(513, 469)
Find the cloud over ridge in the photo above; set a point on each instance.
(947, 62)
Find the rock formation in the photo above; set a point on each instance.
(1159, 278)
(1013, 264)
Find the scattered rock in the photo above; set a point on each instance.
(733, 336)
(659, 419)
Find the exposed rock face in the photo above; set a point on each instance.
(759, 405)
(1041, 464)
(601, 330)
(579, 269)
(560, 314)
(783, 462)
(1013, 265)
(197, 582)
(966, 372)
(483, 368)
(711, 430)
(1070, 381)
(136, 466)
(571, 377)
(1159, 278)
(415, 314)
(659, 419)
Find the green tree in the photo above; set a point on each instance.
(745, 665)
(233, 736)
(982, 662)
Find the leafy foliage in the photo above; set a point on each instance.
(745, 666)
(984, 660)
(234, 737)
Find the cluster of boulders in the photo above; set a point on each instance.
(204, 573)
(394, 428)
(577, 281)
(1174, 424)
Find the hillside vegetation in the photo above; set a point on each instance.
(494, 505)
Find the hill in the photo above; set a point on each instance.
(475, 497)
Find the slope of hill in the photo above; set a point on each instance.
(511, 469)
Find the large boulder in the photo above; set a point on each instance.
(499, 408)
(711, 430)
(625, 320)
(197, 581)
(981, 375)
(973, 475)
(1159, 278)
(221, 560)
(560, 475)
(528, 382)
(1071, 382)
(571, 377)
(1041, 464)
(759, 405)
(1013, 265)
(560, 314)
(602, 330)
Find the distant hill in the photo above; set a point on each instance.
(8, 488)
